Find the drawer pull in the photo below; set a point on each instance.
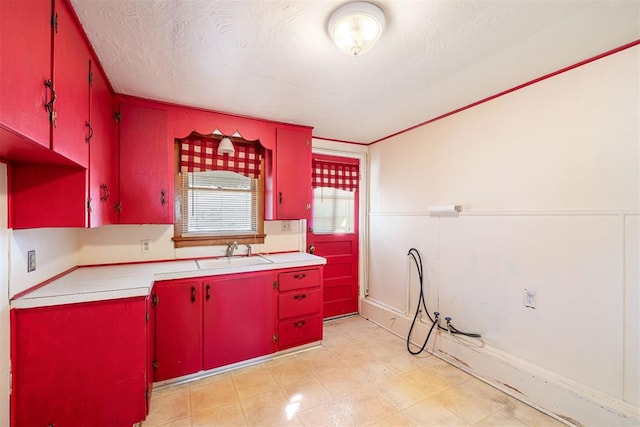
(299, 276)
(299, 297)
(299, 324)
(193, 294)
(208, 296)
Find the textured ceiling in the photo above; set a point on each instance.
(273, 59)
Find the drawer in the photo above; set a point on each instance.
(299, 279)
(300, 331)
(299, 303)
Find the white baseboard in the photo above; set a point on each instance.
(557, 396)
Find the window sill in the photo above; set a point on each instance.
(190, 241)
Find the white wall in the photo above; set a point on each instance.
(549, 177)
(4, 300)
(122, 243)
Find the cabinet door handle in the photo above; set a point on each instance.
(208, 295)
(299, 276)
(299, 297)
(299, 324)
(193, 294)
(104, 192)
(280, 197)
(88, 138)
(49, 104)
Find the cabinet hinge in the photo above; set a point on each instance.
(147, 394)
(275, 284)
(54, 22)
(308, 142)
(147, 316)
(117, 116)
(308, 206)
(154, 300)
(90, 78)
(275, 337)
(155, 364)
(89, 204)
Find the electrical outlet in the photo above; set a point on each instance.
(145, 246)
(286, 225)
(31, 260)
(529, 298)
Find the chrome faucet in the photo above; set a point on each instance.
(230, 248)
(248, 250)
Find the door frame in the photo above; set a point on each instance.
(363, 214)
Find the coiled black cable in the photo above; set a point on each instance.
(422, 303)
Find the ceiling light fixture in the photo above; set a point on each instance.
(355, 27)
(226, 146)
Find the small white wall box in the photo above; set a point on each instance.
(444, 209)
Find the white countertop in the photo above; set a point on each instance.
(86, 284)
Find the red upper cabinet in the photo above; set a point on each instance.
(146, 166)
(25, 64)
(289, 193)
(103, 149)
(71, 83)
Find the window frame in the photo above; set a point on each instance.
(181, 241)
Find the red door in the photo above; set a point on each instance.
(178, 320)
(333, 231)
(25, 64)
(146, 169)
(239, 318)
(71, 82)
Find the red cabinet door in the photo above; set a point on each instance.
(25, 64)
(239, 318)
(146, 166)
(178, 319)
(71, 82)
(79, 364)
(292, 189)
(103, 153)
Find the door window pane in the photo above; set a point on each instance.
(333, 210)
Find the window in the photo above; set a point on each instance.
(220, 198)
(335, 193)
(333, 211)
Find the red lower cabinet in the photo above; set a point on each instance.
(239, 318)
(211, 322)
(299, 307)
(80, 364)
(178, 321)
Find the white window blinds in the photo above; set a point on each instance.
(333, 210)
(219, 202)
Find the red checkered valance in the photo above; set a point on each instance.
(201, 154)
(335, 175)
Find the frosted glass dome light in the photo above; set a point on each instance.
(356, 27)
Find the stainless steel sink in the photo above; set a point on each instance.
(207, 264)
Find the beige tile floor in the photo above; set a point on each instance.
(361, 375)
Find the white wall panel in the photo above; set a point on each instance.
(56, 252)
(573, 264)
(549, 177)
(632, 310)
